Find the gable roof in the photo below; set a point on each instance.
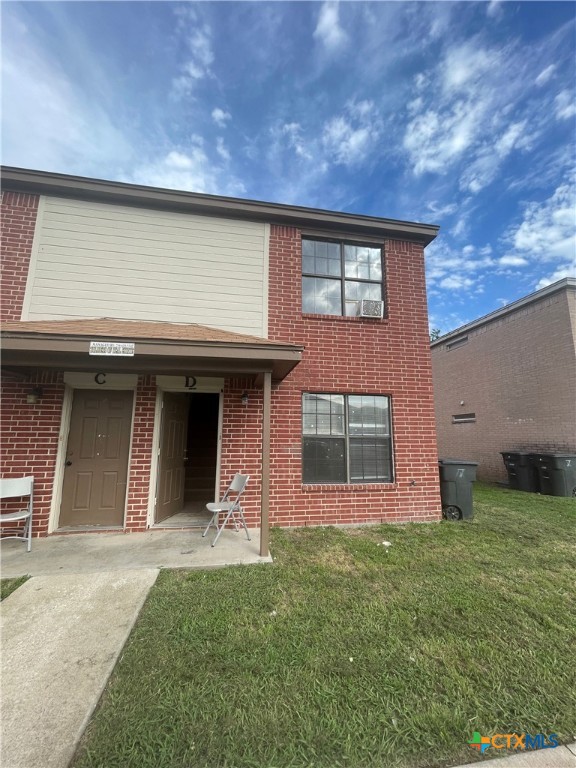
(79, 187)
(135, 329)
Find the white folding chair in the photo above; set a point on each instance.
(230, 504)
(11, 488)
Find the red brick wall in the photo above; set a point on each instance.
(18, 219)
(519, 379)
(241, 443)
(29, 439)
(141, 455)
(355, 355)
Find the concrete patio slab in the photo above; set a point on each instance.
(61, 637)
(98, 552)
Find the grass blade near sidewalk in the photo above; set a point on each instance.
(348, 653)
(7, 586)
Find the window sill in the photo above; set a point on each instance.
(344, 318)
(347, 488)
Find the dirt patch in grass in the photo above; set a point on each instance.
(337, 558)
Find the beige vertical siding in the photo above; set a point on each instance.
(101, 260)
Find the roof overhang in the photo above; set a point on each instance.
(61, 185)
(151, 356)
(565, 284)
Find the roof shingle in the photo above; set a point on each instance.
(135, 330)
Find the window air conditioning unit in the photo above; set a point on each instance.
(371, 308)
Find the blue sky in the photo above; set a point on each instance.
(461, 114)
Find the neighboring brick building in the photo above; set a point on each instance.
(507, 381)
(155, 342)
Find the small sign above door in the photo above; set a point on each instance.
(112, 348)
(189, 383)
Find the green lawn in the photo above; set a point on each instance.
(348, 654)
(7, 586)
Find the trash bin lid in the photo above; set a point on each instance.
(560, 455)
(457, 461)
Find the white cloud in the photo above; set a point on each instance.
(545, 75)
(463, 67)
(485, 166)
(512, 261)
(566, 270)
(197, 38)
(192, 170)
(328, 30)
(178, 170)
(421, 81)
(220, 117)
(361, 109)
(452, 269)
(293, 133)
(546, 233)
(564, 105)
(440, 210)
(347, 145)
(200, 46)
(222, 149)
(415, 105)
(473, 114)
(48, 122)
(514, 136)
(456, 283)
(494, 9)
(449, 119)
(178, 160)
(460, 112)
(461, 227)
(435, 141)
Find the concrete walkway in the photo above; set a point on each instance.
(94, 552)
(61, 637)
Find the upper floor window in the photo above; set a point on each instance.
(336, 276)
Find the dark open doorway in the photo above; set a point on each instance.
(187, 465)
(202, 449)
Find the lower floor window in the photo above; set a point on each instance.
(346, 439)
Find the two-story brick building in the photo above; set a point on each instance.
(507, 381)
(155, 342)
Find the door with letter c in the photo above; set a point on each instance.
(96, 460)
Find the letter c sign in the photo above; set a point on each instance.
(100, 378)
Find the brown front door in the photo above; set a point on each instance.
(96, 471)
(172, 459)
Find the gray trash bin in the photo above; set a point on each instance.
(556, 473)
(522, 475)
(456, 478)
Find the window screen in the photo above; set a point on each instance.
(346, 438)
